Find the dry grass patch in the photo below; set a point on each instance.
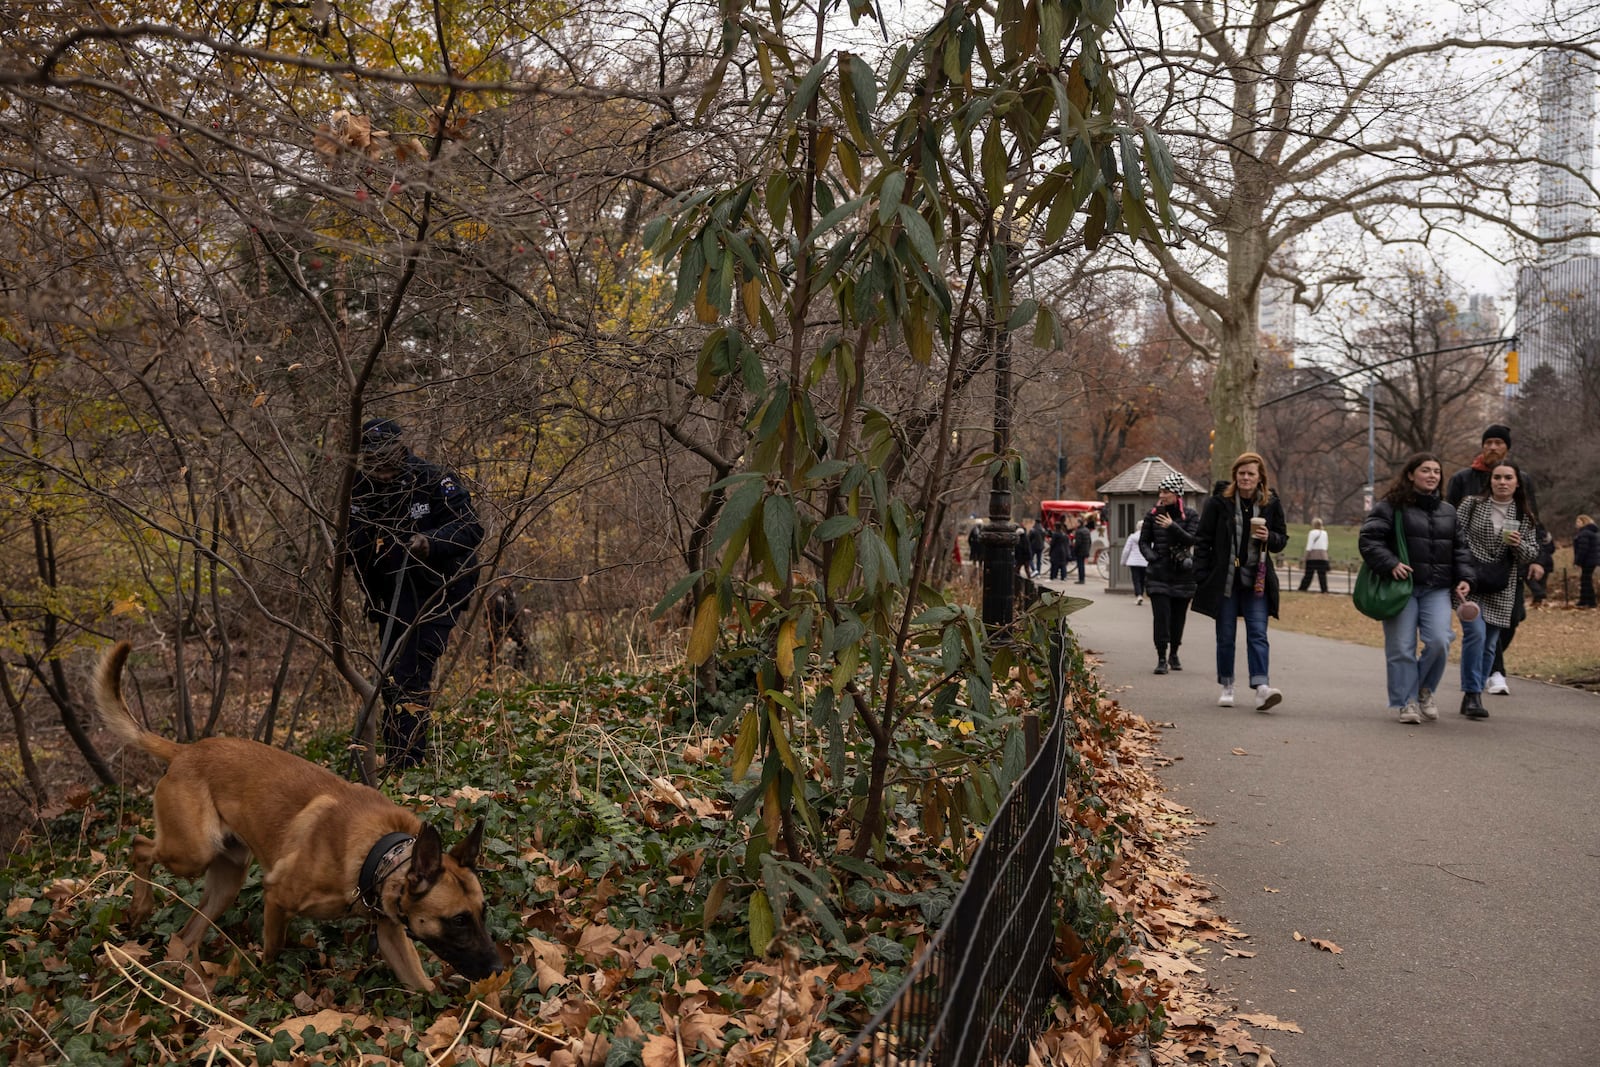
(1553, 644)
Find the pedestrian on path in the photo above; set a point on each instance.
(1036, 543)
(1316, 557)
(1060, 551)
(1501, 536)
(1169, 533)
(1082, 543)
(1474, 481)
(1133, 559)
(1586, 557)
(1241, 526)
(1439, 563)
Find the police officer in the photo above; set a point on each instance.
(413, 542)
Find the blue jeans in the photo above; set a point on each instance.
(1254, 610)
(1479, 642)
(1426, 617)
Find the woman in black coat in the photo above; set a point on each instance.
(1440, 564)
(1586, 557)
(1060, 551)
(1166, 539)
(1241, 526)
(1082, 545)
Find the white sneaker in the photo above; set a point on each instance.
(1226, 699)
(1267, 698)
(1426, 705)
(1138, 601)
(1411, 714)
(1497, 684)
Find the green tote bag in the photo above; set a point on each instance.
(1380, 596)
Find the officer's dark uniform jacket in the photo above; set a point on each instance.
(421, 499)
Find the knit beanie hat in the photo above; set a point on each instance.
(1172, 483)
(1497, 430)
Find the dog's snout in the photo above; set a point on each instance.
(469, 949)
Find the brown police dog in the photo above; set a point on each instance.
(328, 848)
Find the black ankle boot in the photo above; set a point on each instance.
(1472, 706)
(1161, 663)
(1172, 660)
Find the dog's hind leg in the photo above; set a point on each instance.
(144, 857)
(224, 878)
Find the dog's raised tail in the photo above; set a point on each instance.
(112, 709)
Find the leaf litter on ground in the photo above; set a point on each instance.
(611, 963)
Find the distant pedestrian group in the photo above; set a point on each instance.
(1471, 549)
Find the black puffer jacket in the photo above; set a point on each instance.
(1586, 547)
(1434, 541)
(1159, 546)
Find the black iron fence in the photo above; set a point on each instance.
(979, 993)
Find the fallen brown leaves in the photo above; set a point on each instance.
(1174, 928)
(1317, 942)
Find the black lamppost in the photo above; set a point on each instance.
(999, 537)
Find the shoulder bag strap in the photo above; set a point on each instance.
(1400, 536)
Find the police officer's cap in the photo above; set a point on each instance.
(379, 434)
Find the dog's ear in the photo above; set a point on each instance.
(427, 861)
(467, 849)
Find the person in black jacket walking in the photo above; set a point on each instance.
(1586, 557)
(1167, 538)
(1082, 545)
(1060, 551)
(1241, 526)
(1440, 564)
(413, 542)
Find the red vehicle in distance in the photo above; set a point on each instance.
(1055, 510)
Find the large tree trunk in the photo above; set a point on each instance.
(1236, 383)
(1233, 396)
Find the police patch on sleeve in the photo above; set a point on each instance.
(448, 486)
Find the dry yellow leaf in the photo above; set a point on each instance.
(703, 637)
(786, 646)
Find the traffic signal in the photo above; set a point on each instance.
(1513, 368)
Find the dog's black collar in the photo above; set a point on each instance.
(390, 851)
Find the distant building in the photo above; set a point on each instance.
(1558, 297)
(1480, 318)
(1278, 312)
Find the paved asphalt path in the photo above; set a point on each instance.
(1456, 863)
